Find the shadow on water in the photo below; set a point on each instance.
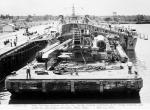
(74, 99)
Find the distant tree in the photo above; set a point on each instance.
(61, 18)
(29, 18)
(17, 17)
(46, 17)
(107, 19)
(7, 16)
(2, 16)
(139, 18)
(86, 19)
(116, 19)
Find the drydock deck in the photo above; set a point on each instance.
(101, 81)
(109, 73)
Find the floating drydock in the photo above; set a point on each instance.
(83, 58)
(75, 66)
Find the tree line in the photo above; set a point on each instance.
(119, 18)
(7, 16)
(139, 19)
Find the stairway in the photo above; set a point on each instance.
(77, 39)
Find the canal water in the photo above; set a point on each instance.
(140, 58)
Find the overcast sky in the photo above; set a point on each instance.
(57, 7)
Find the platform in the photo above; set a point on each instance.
(94, 81)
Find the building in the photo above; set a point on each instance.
(7, 28)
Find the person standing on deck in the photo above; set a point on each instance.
(14, 42)
(11, 43)
(130, 67)
(28, 71)
(109, 27)
(16, 39)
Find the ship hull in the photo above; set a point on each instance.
(131, 43)
(128, 42)
(74, 85)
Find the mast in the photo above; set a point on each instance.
(73, 11)
(73, 17)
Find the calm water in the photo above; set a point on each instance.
(142, 61)
(140, 58)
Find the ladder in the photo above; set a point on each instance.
(77, 37)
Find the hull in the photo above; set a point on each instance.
(131, 43)
(128, 42)
(74, 85)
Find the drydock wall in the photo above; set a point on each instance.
(19, 57)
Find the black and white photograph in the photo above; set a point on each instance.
(74, 54)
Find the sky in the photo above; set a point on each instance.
(82, 7)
